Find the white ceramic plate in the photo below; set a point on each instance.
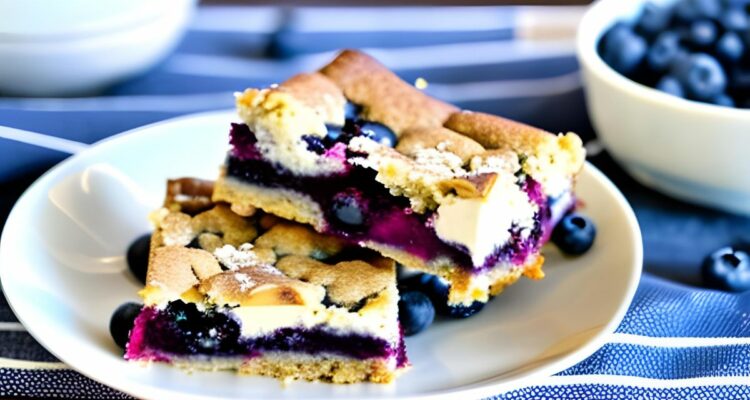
(63, 271)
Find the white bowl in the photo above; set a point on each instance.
(691, 150)
(88, 47)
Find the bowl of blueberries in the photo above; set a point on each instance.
(667, 86)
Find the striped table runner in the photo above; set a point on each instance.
(677, 341)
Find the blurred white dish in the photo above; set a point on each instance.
(62, 266)
(694, 151)
(63, 48)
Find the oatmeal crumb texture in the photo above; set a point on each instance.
(436, 141)
(347, 282)
(278, 267)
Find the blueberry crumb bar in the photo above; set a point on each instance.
(263, 296)
(356, 153)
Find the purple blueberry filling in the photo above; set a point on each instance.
(182, 330)
(360, 209)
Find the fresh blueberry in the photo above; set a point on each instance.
(462, 311)
(379, 133)
(740, 79)
(653, 20)
(419, 281)
(727, 269)
(730, 47)
(574, 234)
(314, 144)
(415, 312)
(703, 33)
(663, 52)
(680, 60)
(437, 290)
(701, 76)
(122, 322)
(623, 50)
(619, 32)
(137, 257)
(736, 3)
(204, 332)
(706, 8)
(686, 11)
(351, 110)
(347, 208)
(723, 100)
(734, 19)
(333, 132)
(670, 84)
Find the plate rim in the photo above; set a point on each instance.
(484, 388)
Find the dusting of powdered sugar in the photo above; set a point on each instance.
(245, 281)
(242, 257)
(234, 258)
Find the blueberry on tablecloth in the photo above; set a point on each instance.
(727, 269)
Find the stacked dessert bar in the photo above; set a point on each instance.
(357, 153)
(372, 172)
(263, 296)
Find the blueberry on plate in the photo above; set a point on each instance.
(463, 311)
(623, 50)
(137, 257)
(437, 290)
(379, 133)
(122, 322)
(663, 52)
(314, 144)
(703, 33)
(730, 47)
(574, 234)
(727, 269)
(348, 208)
(669, 84)
(418, 281)
(701, 76)
(415, 312)
(351, 110)
(334, 132)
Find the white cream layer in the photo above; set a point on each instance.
(483, 224)
(378, 319)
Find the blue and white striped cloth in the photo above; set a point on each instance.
(677, 341)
